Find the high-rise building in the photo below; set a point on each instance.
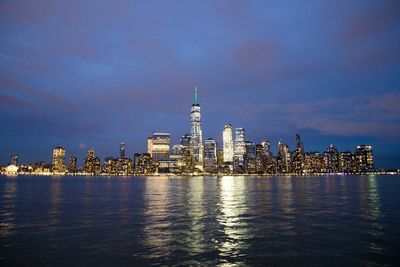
(298, 156)
(313, 163)
(59, 160)
(177, 150)
(150, 145)
(92, 163)
(185, 140)
(239, 150)
(250, 157)
(143, 164)
(196, 134)
(283, 158)
(346, 162)
(110, 166)
(72, 163)
(331, 159)
(227, 144)
(210, 155)
(122, 150)
(124, 166)
(14, 160)
(159, 146)
(364, 158)
(266, 145)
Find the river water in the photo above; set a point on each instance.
(200, 221)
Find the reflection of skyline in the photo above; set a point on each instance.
(232, 208)
(157, 233)
(196, 212)
(374, 214)
(55, 202)
(8, 210)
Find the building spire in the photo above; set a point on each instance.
(196, 98)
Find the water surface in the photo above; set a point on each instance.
(325, 220)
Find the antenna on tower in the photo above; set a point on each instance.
(196, 98)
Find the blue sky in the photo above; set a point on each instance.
(87, 74)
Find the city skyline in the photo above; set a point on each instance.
(237, 155)
(328, 71)
(234, 148)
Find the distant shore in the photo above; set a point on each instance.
(201, 174)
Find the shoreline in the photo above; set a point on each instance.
(200, 175)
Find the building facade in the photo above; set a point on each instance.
(239, 150)
(59, 160)
(364, 158)
(196, 134)
(227, 144)
(210, 155)
(158, 146)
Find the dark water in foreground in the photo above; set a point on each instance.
(330, 220)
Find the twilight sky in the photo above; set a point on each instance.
(87, 74)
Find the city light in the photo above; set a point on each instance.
(237, 156)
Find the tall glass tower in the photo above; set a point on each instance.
(196, 134)
(228, 143)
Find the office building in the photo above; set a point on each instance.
(298, 156)
(364, 158)
(185, 140)
(210, 155)
(239, 150)
(122, 150)
(331, 159)
(92, 163)
(196, 134)
(143, 164)
(59, 160)
(250, 157)
(72, 163)
(159, 146)
(283, 158)
(227, 144)
(346, 162)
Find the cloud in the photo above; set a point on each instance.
(382, 18)
(6, 100)
(256, 55)
(44, 97)
(370, 115)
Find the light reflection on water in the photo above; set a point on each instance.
(196, 242)
(232, 207)
(8, 208)
(226, 221)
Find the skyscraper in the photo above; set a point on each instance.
(266, 146)
(92, 163)
(122, 150)
(364, 158)
(210, 155)
(298, 156)
(239, 150)
(196, 135)
(250, 157)
(59, 160)
(331, 159)
(72, 163)
(227, 143)
(283, 158)
(185, 140)
(159, 146)
(14, 160)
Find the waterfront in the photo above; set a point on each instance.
(321, 220)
